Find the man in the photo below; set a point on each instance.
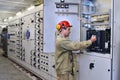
(64, 48)
(4, 41)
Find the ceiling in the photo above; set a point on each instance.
(9, 8)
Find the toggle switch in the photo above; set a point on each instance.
(38, 31)
(38, 49)
(37, 14)
(32, 21)
(38, 43)
(46, 63)
(46, 57)
(38, 60)
(38, 66)
(38, 55)
(38, 19)
(38, 37)
(34, 64)
(47, 70)
(38, 26)
(34, 59)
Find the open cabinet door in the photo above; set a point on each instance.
(95, 62)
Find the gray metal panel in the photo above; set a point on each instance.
(102, 62)
(51, 19)
(101, 69)
(116, 40)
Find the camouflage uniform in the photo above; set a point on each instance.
(64, 48)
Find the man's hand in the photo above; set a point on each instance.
(93, 38)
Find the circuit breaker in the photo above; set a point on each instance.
(103, 40)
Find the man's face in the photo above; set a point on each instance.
(66, 31)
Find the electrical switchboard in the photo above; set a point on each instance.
(88, 17)
(31, 41)
(26, 44)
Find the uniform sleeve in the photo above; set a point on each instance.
(70, 45)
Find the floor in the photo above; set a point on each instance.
(8, 70)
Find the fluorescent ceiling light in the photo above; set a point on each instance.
(10, 18)
(18, 13)
(5, 20)
(30, 8)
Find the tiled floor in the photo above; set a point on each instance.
(9, 72)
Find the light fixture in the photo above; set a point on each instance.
(18, 13)
(10, 17)
(62, 1)
(5, 20)
(30, 8)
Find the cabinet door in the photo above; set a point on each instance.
(94, 68)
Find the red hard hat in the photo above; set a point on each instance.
(63, 24)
